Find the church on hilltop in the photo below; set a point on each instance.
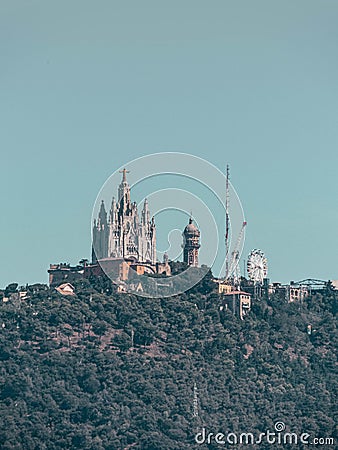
(123, 233)
(124, 245)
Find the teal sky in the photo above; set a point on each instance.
(86, 86)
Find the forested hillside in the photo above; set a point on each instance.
(100, 370)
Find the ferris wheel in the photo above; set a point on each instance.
(257, 266)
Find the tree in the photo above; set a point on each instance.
(99, 327)
(11, 289)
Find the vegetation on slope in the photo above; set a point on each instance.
(102, 370)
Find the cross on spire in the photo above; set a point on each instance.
(124, 177)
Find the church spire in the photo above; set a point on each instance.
(145, 212)
(124, 192)
(112, 211)
(103, 214)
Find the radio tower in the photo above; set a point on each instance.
(195, 403)
(227, 222)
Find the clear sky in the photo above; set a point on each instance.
(87, 85)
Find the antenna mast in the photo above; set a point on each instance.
(195, 404)
(227, 222)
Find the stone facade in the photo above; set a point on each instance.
(238, 302)
(191, 244)
(123, 233)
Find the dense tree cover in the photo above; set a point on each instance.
(101, 370)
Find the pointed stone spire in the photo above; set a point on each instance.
(145, 212)
(112, 211)
(124, 193)
(103, 214)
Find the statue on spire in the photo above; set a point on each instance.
(124, 176)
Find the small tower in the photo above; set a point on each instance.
(191, 244)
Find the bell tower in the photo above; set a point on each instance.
(191, 244)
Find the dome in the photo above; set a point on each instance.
(191, 228)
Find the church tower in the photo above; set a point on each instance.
(191, 244)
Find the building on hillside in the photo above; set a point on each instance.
(290, 292)
(191, 244)
(124, 245)
(62, 272)
(334, 284)
(238, 302)
(65, 289)
(118, 270)
(123, 233)
(14, 296)
(296, 293)
(223, 286)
